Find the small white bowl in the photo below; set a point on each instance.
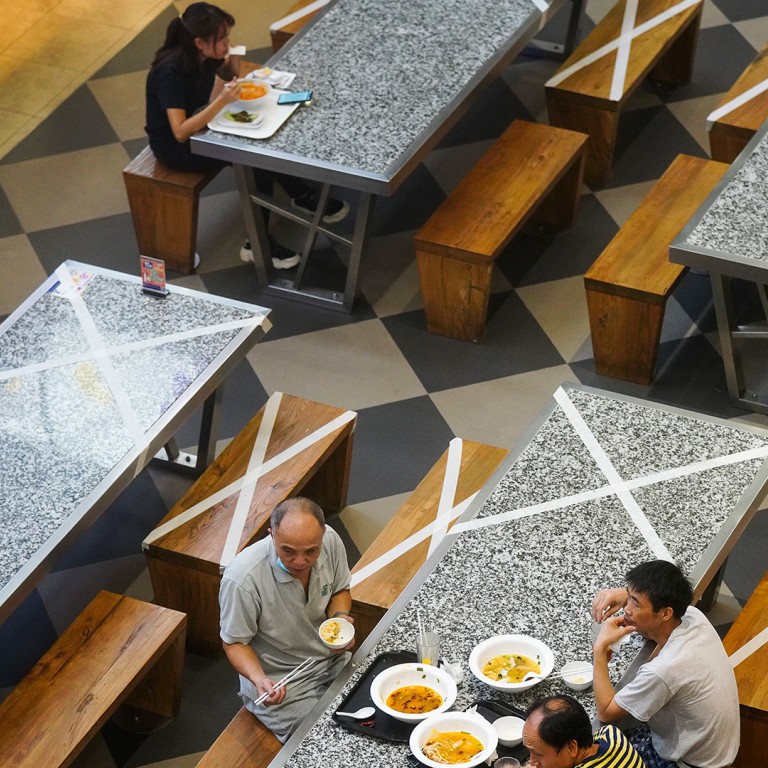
(509, 729)
(501, 644)
(412, 674)
(581, 678)
(471, 722)
(345, 633)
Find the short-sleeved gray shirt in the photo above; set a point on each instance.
(265, 607)
(688, 696)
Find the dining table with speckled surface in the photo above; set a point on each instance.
(96, 377)
(600, 483)
(388, 79)
(728, 237)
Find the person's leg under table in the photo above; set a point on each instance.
(257, 194)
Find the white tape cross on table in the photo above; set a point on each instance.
(615, 486)
(95, 344)
(621, 42)
(246, 484)
(131, 346)
(300, 14)
(736, 102)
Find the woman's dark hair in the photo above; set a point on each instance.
(203, 20)
(563, 720)
(664, 584)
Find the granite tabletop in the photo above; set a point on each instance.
(603, 483)
(385, 76)
(93, 374)
(729, 233)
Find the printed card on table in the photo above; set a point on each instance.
(153, 276)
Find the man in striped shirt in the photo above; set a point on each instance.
(558, 734)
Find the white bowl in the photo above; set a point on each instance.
(501, 644)
(471, 722)
(346, 632)
(412, 674)
(581, 679)
(509, 729)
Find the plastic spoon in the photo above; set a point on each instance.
(359, 714)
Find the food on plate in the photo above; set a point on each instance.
(451, 747)
(414, 699)
(243, 116)
(511, 666)
(331, 632)
(250, 91)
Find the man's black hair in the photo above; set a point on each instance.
(563, 720)
(664, 584)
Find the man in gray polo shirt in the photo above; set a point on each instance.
(274, 595)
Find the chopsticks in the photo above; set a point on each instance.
(283, 681)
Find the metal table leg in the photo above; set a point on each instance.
(728, 331)
(189, 463)
(296, 288)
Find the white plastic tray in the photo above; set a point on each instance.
(274, 116)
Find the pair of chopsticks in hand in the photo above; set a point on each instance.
(283, 681)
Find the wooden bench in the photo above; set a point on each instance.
(590, 89)
(740, 112)
(282, 31)
(118, 651)
(244, 743)
(531, 171)
(164, 205)
(307, 449)
(628, 286)
(373, 595)
(752, 677)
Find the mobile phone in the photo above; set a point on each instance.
(294, 97)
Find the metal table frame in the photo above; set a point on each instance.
(722, 268)
(255, 154)
(205, 390)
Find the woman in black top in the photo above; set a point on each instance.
(183, 92)
(192, 78)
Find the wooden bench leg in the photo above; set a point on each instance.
(193, 592)
(455, 295)
(726, 144)
(158, 695)
(328, 487)
(676, 65)
(625, 335)
(165, 221)
(601, 125)
(558, 208)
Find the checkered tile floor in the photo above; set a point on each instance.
(61, 196)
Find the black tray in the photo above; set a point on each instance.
(380, 724)
(388, 728)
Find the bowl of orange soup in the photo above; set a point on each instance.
(412, 692)
(453, 738)
(250, 92)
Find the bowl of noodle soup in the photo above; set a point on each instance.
(453, 738)
(412, 692)
(503, 661)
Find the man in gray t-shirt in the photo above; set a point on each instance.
(686, 692)
(274, 595)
